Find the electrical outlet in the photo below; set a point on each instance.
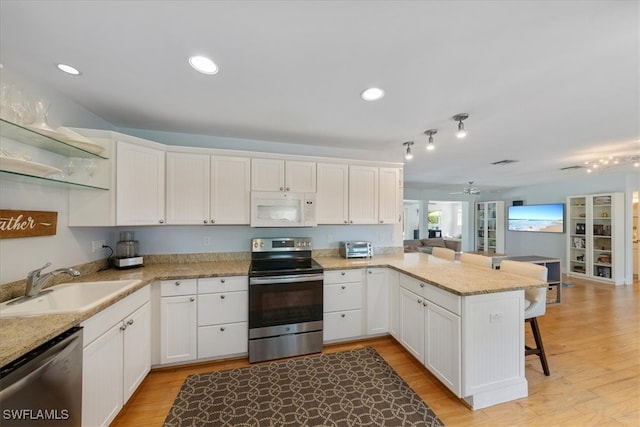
(96, 245)
(206, 241)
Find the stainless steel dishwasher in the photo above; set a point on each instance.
(44, 387)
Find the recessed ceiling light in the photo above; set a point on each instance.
(372, 94)
(203, 65)
(68, 69)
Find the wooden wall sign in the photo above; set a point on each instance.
(15, 224)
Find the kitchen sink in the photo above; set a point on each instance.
(66, 298)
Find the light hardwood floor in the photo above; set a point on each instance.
(592, 340)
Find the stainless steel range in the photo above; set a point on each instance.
(285, 299)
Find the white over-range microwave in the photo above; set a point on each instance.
(283, 209)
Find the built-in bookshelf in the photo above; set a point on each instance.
(595, 246)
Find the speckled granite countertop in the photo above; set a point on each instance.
(19, 335)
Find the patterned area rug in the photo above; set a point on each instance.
(351, 388)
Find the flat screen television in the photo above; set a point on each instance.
(537, 218)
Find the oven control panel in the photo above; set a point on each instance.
(281, 244)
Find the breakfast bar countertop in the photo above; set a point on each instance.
(18, 335)
(454, 277)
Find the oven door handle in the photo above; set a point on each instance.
(274, 280)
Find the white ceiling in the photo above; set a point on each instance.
(547, 83)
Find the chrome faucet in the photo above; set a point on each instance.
(35, 282)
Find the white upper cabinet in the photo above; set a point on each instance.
(188, 184)
(140, 192)
(363, 195)
(283, 175)
(390, 196)
(204, 189)
(332, 197)
(230, 190)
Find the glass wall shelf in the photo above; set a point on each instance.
(27, 136)
(23, 177)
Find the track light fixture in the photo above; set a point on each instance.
(462, 132)
(408, 156)
(431, 132)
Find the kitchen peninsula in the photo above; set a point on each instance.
(479, 313)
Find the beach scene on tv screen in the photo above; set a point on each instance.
(544, 218)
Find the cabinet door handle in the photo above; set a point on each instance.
(221, 296)
(222, 329)
(421, 285)
(281, 188)
(222, 280)
(381, 222)
(205, 221)
(351, 222)
(287, 188)
(161, 221)
(177, 283)
(342, 315)
(123, 327)
(346, 222)
(419, 301)
(213, 221)
(130, 322)
(343, 287)
(192, 299)
(424, 303)
(342, 273)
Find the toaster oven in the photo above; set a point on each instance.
(355, 249)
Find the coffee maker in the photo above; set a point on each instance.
(127, 251)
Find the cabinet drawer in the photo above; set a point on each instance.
(443, 298)
(342, 324)
(170, 288)
(451, 302)
(226, 307)
(222, 340)
(342, 276)
(411, 284)
(346, 296)
(223, 284)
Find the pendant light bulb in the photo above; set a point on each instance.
(462, 132)
(409, 154)
(430, 145)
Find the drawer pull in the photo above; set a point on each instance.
(130, 322)
(343, 287)
(342, 273)
(222, 329)
(421, 285)
(123, 327)
(221, 296)
(177, 283)
(222, 280)
(419, 301)
(192, 299)
(343, 315)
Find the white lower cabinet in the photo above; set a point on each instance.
(223, 316)
(430, 329)
(377, 290)
(442, 345)
(116, 357)
(412, 323)
(178, 321)
(343, 304)
(394, 303)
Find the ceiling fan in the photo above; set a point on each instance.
(470, 189)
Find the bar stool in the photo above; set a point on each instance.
(475, 259)
(444, 253)
(535, 304)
